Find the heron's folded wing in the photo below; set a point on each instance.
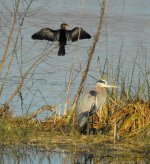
(82, 119)
(86, 101)
(86, 107)
(77, 33)
(46, 34)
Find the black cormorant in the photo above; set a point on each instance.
(62, 36)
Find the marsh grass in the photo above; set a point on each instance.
(132, 119)
(127, 112)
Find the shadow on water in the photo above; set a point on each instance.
(58, 156)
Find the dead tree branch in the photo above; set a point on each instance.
(90, 55)
(51, 108)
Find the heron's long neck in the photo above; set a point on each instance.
(101, 95)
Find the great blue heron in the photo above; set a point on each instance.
(90, 102)
(62, 36)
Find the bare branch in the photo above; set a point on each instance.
(91, 53)
(51, 108)
(10, 36)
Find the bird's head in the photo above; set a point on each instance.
(104, 84)
(64, 26)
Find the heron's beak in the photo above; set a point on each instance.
(109, 86)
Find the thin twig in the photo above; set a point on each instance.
(10, 36)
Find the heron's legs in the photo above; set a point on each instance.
(90, 126)
(93, 129)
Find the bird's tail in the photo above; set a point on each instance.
(61, 51)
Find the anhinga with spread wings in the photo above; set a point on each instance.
(62, 36)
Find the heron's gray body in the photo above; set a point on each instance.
(90, 103)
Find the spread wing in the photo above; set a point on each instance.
(46, 34)
(77, 33)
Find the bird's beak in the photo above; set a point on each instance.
(109, 86)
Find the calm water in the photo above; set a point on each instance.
(125, 33)
(60, 156)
